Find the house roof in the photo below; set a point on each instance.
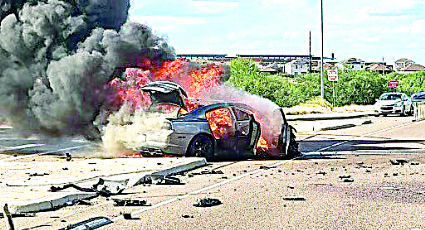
(405, 60)
(415, 67)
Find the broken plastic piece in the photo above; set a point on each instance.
(129, 202)
(206, 202)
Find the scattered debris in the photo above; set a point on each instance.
(265, 167)
(129, 202)
(348, 180)
(344, 176)
(38, 174)
(68, 156)
(102, 187)
(8, 216)
(127, 216)
(92, 223)
(165, 180)
(294, 198)
(206, 202)
(399, 161)
(321, 172)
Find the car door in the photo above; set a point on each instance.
(247, 129)
(285, 134)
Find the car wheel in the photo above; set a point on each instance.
(404, 112)
(201, 146)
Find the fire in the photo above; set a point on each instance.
(221, 123)
(195, 80)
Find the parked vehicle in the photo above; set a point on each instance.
(418, 97)
(394, 103)
(215, 130)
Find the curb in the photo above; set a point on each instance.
(315, 117)
(50, 204)
(70, 199)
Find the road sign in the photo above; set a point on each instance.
(393, 83)
(332, 75)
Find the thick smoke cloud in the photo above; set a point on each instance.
(57, 56)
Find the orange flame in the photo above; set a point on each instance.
(221, 122)
(195, 80)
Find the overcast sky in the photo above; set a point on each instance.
(371, 30)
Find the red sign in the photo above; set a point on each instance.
(393, 83)
(332, 75)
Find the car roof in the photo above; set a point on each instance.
(202, 109)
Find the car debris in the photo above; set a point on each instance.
(68, 156)
(399, 161)
(129, 202)
(206, 202)
(92, 223)
(294, 198)
(103, 187)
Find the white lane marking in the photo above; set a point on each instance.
(180, 197)
(367, 135)
(331, 146)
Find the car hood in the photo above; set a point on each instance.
(166, 92)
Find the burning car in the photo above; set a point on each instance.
(217, 129)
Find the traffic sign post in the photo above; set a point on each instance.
(333, 77)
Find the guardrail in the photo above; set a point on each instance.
(419, 111)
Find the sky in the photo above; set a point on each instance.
(378, 30)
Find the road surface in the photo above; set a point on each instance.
(345, 182)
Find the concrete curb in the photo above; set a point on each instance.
(315, 117)
(49, 204)
(72, 198)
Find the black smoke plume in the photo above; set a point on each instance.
(56, 58)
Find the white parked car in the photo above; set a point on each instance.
(394, 103)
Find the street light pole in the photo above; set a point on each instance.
(322, 86)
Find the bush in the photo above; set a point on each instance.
(352, 87)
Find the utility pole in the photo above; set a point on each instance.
(322, 86)
(309, 45)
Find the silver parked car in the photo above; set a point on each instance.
(394, 103)
(234, 134)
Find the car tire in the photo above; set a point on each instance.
(404, 113)
(201, 146)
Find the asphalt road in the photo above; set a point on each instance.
(384, 135)
(282, 194)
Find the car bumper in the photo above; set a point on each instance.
(389, 110)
